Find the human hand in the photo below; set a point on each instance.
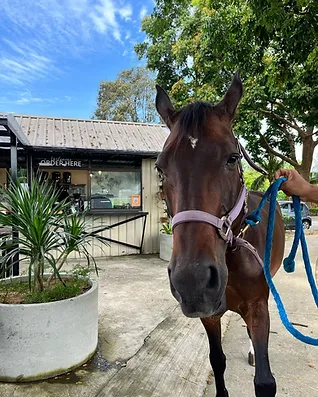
(295, 184)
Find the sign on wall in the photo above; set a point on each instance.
(61, 162)
(135, 200)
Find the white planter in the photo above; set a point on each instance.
(43, 340)
(166, 241)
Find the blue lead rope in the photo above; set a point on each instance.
(289, 263)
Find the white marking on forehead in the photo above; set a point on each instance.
(193, 141)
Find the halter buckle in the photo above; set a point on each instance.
(225, 230)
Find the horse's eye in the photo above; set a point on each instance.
(233, 159)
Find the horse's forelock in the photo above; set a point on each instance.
(191, 121)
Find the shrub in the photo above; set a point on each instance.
(45, 228)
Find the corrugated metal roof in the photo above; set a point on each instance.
(66, 133)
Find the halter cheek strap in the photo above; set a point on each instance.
(223, 225)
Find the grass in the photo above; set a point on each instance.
(19, 292)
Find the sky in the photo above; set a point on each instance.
(55, 53)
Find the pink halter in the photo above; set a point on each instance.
(223, 225)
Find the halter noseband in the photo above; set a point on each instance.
(223, 225)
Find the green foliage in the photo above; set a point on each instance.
(270, 164)
(250, 176)
(80, 271)
(314, 178)
(195, 46)
(256, 181)
(167, 227)
(47, 234)
(313, 211)
(56, 292)
(286, 219)
(130, 97)
(281, 196)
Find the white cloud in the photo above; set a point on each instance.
(20, 64)
(104, 16)
(46, 34)
(128, 36)
(26, 97)
(126, 12)
(143, 12)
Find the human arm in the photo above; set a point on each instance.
(297, 185)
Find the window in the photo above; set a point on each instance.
(284, 207)
(113, 190)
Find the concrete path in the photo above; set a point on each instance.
(314, 223)
(149, 349)
(170, 363)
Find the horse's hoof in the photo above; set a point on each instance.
(225, 394)
(251, 359)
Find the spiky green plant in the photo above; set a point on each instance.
(75, 237)
(47, 234)
(167, 227)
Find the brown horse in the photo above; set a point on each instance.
(209, 274)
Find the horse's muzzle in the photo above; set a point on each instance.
(205, 310)
(199, 288)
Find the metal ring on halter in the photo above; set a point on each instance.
(225, 233)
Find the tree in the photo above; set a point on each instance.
(255, 181)
(197, 45)
(270, 166)
(130, 97)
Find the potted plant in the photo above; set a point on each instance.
(49, 320)
(166, 241)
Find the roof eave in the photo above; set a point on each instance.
(95, 150)
(10, 122)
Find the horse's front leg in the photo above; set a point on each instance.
(256, 317)
(212, 326)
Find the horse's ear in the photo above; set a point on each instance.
(164, 105)
(232, 97)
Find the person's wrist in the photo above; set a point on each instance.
(309, 192)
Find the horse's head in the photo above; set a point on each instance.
(200, 168)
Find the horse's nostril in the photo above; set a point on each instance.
(213, 281)
(169, 273)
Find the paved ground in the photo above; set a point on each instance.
(315, 222)
(148, 349)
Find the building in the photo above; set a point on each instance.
(104, 167)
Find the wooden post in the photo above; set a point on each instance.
(14, 179)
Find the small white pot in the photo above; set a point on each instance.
(43, 340)
(166, 242)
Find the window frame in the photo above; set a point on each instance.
(114, 211)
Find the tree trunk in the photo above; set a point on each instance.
(39, 280)
(307, 157)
